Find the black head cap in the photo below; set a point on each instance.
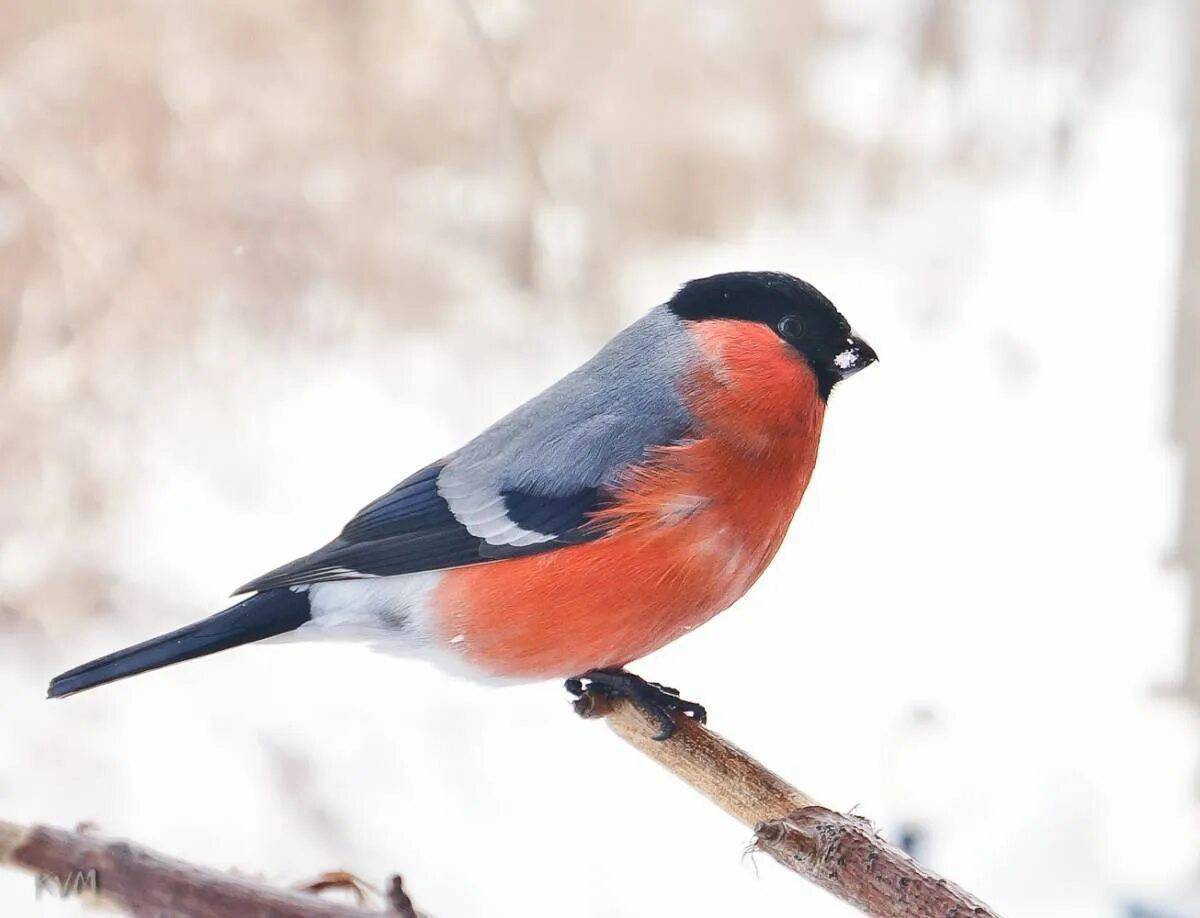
(797, 311)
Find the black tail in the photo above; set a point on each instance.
(261, 616)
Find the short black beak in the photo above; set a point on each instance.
(857, 355)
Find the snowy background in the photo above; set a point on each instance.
(259, 261)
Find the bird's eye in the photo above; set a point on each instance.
(791, 327)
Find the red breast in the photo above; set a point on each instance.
(692, 529)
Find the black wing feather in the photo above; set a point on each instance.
(550, 514)
(411, 529)
(411, 506)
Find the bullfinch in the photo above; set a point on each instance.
(631, 501)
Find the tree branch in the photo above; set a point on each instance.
(842, 854)
(143, 882)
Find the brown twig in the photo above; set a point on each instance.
(841, 854)
(143, 882)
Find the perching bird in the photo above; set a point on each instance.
(631, 501)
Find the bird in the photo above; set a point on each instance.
(616, 511)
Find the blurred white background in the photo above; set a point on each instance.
(259, 261)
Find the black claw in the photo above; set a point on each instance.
(659, 701)
(697, 711)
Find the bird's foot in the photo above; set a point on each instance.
(659, 701)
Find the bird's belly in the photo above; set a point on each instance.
(602, 603)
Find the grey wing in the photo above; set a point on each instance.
(529, 483)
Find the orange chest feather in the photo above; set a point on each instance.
(690, 531)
